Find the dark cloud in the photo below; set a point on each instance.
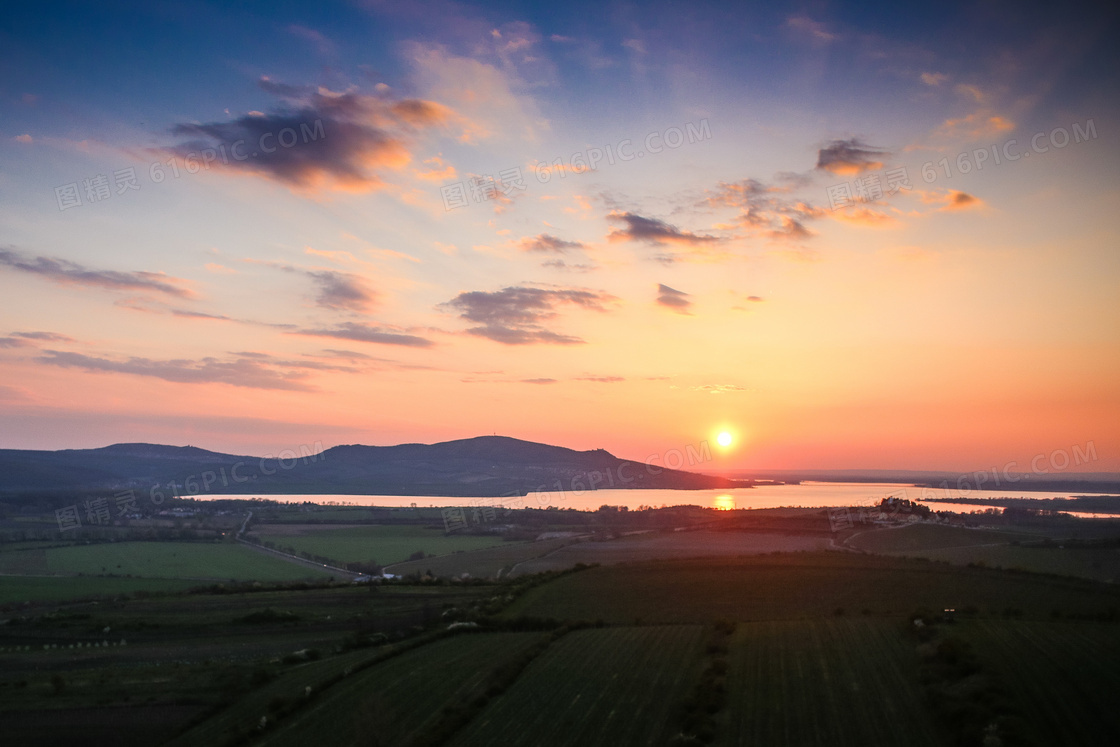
(187, 314)
(366, 333)
(513, 315)
(44, 336)
(243, 372)
(654, 231)
(318, 138)
(674, 299)
(850, 157)
(71, 273)
(14, 342)
(341, 290)
(546, 243)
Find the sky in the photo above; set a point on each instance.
(850, 236)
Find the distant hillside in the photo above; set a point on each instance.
(484, 466)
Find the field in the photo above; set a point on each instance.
(801, 585)
(1064, 676)
(674, 545)
(397, 699)
(366, 544)
(188, 560)
(20, 589)
(595, 687)
(488, 563)
(824, 683)
(962, 546)
(917, 537)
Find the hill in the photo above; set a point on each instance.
(483, 466)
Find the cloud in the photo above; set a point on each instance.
(242, 372)
(546, 243)
(602, 379)
(315, 38)
(815, 30)
(934, 79)
(767, 210)
(850, 157)
(366, 333)
(25, 139)
(341, 290)
(975, 126)
(653, 231)
(863, 216)
(957, 200)
(673, 299)
(719, 388)
(559, 264)
(513, 315)
(538, 381)
(71, 273)
(317, 139)
(43, 336)
(14, 342)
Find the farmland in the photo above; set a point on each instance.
(809, 682)
(995, 549)
(746, 646)
(365, 544)
(186, 560)
(595, 687)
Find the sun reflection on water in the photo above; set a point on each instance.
(724, 502)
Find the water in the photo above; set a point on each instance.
(805, 495)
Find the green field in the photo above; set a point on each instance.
(963, 546)
(372, 543)
(917, 537)
(395, 700)
(826, 683)
(596, 687)
(1064, 676)
(801, 585)
(189, 560)
(19, 589)
(485, 563)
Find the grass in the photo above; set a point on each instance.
(825, 682)
(19, 589)
(190, 560)
(486, 563)
(392, 702)
(798, 586)
(918, 537)
(381, 544)
(1065, 676)
(595, 687)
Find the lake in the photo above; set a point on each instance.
(805, 495)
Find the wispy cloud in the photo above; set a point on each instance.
(71, 273)
(514, 315)
(241, 371)
(368, 333)
(547, 243)
(654, 231)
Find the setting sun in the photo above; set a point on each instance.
(724, 439)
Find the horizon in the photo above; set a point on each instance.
(817, 239)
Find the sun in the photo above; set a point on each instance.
(724, 439)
